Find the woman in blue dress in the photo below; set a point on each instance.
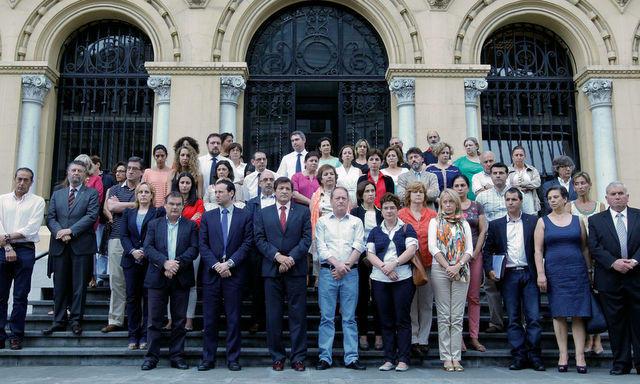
(562, 258)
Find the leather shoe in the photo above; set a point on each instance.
(76, 329)
(493, 329)
(298, 366)
(278, 365)
(111, 328)
(616, 371)
(179, 364)
(516, 365)
(537, 365)
(322, 365)
(234, 366)
(356, 365)
(206, 365)
(54, 328)
(14, 344)
(148, 365)
(2, 344)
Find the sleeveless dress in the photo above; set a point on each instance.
(568, 286)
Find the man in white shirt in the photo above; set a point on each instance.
(293, 162)
(251, 183)
(208, 162)
(482, 181)
(339, 238)
(21, 215)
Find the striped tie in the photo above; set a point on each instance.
(622, 235)
(72, 196)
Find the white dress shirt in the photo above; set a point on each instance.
(205, 167)
(287, 166)
(23, 215)
(481, 180)
(250, 184)
(267, 201)
(403, 271)
(339, 237)
(516, 256)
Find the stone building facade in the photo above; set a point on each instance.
(445, 70)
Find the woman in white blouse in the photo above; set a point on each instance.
(348, 174)
(451, 244)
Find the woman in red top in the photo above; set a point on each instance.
(416, 213)
(382, 182)
(193, 210)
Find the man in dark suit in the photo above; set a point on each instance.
(226, 236)
(512, 236)
(72, 213)
(563, 168)
(171, 245)
(614, 243)
(256, 283)
(283, 236)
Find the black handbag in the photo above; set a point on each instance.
(596, 324)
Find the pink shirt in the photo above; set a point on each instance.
(159, 181)
(305, 185)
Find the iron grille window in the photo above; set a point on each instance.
(530, 99)
(104, 105)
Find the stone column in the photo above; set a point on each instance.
(34, 91)
(161, 86)
(472, 90)
(230, 89)
(599, 93)
(404, 88)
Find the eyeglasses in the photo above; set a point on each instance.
(133, 169)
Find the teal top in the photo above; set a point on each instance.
(333, 161)
(468, 168)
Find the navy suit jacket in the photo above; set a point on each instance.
(239, 242)
(552, 183)
(132, 239)
(155, 249)
(496, 242)
(294, 241)
(80, 218)
(605, 249)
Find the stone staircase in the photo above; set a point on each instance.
(96, 348)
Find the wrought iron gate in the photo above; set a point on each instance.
(530, 99)
(104, 105)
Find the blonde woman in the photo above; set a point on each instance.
(451, 244)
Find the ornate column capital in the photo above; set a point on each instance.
(404, 89)
(230, 89)
(35, 88)
(161, 85)
(599, 92)
(472, 89)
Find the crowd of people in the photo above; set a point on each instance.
(356, 227)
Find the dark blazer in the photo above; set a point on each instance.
(253, 206)
(293, 242)
(605, 249)
(239, 241)
(132, 239)
(80, 218)
(553, 183)
(389, 186)
(359, 212)
(155, 249)
(496, 242)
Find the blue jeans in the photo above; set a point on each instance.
(102, 261)
(19, 273)
(520, 292)
(330, 291)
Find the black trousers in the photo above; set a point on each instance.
(137, 303)
(158, 299)
(366, 302)
(295, 289)
(622, 312)
(255, 284)
(18, 272)
(394, 307)
(70, 279)
(223, 296)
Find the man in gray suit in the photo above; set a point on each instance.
(418, 173)
(72, 212)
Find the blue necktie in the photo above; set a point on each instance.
(212, 172)
(225, 231)
(298, 163)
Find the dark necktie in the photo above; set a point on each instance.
(224, 223)
(72, 196)
(298, 163)
(283, 218)
(259, 189)
(212, 171)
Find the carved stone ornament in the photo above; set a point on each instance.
(161, 85)
(599, 92)
(230, 88)
(35, 88)
(197, 3)
(404, 89)
(472, 89)
(439, 5)
(622, 4)
(13, 3)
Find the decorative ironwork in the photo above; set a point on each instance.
(530, 99)
(290, 53)
(105, 107)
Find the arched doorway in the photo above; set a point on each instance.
(530, 99)
(318, 68)
(104, 105)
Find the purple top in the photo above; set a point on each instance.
(305, 185)
(472, 215)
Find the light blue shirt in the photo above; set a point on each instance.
(172, 238)
(229, 216)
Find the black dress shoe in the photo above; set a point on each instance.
(76, 329)
(582, 369)
(416, 351)
(322, 365)
(278, 365)
(298, 366)
(206, 365)
(516, 365)
(179, 364)
(54, 328)
(355, 365)
(617, 371)
(14, 344)
(148, 365)
(538, 365)
(234, 366)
